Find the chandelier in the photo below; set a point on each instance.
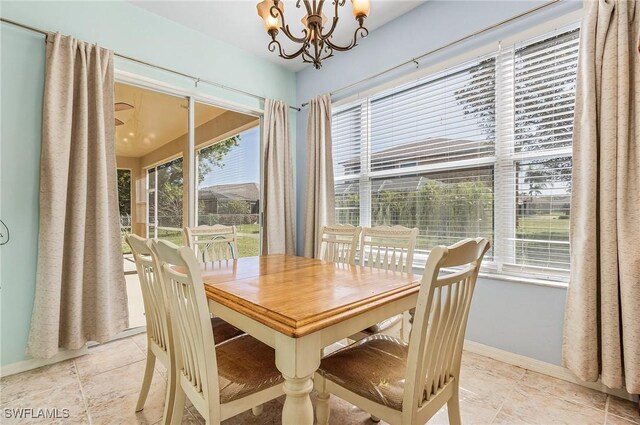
(315, 40)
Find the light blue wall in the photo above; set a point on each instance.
(128, 30)
(521, 318)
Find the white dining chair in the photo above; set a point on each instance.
(339, 243)
(159, 335)
(213, 243)
(158, 331)
(222, 380)
(387, 248)
(408, 383)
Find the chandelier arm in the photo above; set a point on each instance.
(308, 58)
(363, 33)
(328, 50)
(275, 43)
(306, 5)
(317, 51)
(334, 23)
(287, 31)
(319, 7)
(275, 13)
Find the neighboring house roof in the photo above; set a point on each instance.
(424, 151)
(228, 192)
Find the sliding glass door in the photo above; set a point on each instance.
(183, 163)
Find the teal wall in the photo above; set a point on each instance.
(128, 30)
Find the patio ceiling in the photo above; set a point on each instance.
(155, 120)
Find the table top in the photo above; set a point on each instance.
(297, 296)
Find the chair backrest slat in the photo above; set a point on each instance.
(339, 243)
(213, 243)
(195, 358)
(153, 296)
(388, 248)
(435, 346)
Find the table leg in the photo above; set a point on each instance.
(298, 359)
(297, 406)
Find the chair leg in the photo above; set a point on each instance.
(453, 408)
(146, 381)
(322, 408)
(178, 405)
(257, 410)
(170, 396)
(406, 326)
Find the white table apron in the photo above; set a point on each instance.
(299, 358)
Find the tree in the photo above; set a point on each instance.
(443, 211)
(124, 192)
(171, 179)
(535, 129)
(213, 156)
(234, 206)
(478, 97)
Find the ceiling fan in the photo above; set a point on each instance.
(121, 106)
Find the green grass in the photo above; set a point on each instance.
(248, 246)
(174, 236)
(543, 227)
(125, 246)
(536, 251)
(248, 228)
(248, 240)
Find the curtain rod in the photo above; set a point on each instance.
(151, 65)
(443, 47)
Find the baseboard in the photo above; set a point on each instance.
(25, 365)
(62, 355)
(540, 367)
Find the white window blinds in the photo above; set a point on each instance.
(347, 136)
(482, 149)
(443, 118)
(535, 169)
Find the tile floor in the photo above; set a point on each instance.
(102, 388)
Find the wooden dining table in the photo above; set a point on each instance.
(300, 305)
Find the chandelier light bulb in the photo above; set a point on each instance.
(361, 8)
(271, 23)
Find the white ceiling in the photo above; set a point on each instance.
(237, 22)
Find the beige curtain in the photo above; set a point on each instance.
(319, 193)
(602, 318)
(277, 181)
(80, 287)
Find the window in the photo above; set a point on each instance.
(482, 149)
(166, 201)
(124, 206)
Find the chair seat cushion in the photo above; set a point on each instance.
(223, 331)
(374, 368)
(245, 366)
(384, 325)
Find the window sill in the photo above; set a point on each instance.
(487, 273)
(526, 280)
